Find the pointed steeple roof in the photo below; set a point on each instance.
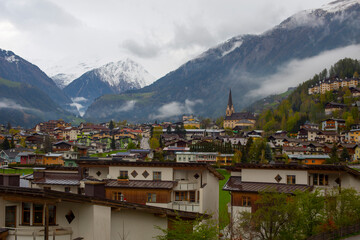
(230, 100)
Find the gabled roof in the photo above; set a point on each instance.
(93, 162)
(56, 196)
(325, 167)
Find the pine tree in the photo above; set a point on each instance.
(168, 129)
(345, 156)
(268, 153)
(333, 155)
(112, 144)
(12, 144)
(5, 144)
(111, 125)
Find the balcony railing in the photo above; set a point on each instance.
(186, 186)
(37, 233)
(184, 206)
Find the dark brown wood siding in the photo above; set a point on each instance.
(140, 195)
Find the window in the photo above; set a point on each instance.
(290, 179)
(181, 196)
(67, 189)
(118, 196)
(320, 179)
(151, 197)
(124, 175)
(246, 202)
(38, 210)
(10, 216)
(47, 188)
(52, 215)
(192, 196)
(26, 207)
(157, 176)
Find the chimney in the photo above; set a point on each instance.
(10, 180)
(95, 189)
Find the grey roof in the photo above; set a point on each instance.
(141, 184)
(57, 182)
(235, 184)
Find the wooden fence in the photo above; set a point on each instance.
(336, 234)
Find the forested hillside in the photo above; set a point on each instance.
(300, 106)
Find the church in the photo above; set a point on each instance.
(233, 119)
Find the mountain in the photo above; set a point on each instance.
(17, 69)
(24, 105)
(269, 102)
(300, 106)
(243, 63)
(114, 77)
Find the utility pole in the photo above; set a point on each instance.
(46, 233)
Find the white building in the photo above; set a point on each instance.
(179, 186)
(31, 213)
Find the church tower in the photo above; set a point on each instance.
(230, 107)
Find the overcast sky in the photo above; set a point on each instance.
(159, 34)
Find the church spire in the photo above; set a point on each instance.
(230, 104)
(230, 108)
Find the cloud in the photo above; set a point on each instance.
(145, 50)
(35, 14)
(129, 105)
(79, 99)
(186, 36)
(298, 71)
(8, 103)
(175, 109)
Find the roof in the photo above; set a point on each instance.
(56, 178)
(236, 185)
(53, 155)
(240, 115)
(303, 157)
(57, 196)
(325, 167)
(141, 184)
(92, 162)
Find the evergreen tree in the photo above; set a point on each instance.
(112, 144)
(168, 129)
(268, 153)
(333, 155)
(12, 144)
(8, 126)
(5, 144)
(345, 156)
(111, 125)
(47, 144)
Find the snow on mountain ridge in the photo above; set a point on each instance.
(127, 71)
(339, 5)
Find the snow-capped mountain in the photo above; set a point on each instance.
(66, 70)
(124, 72)
(245, 64)
(114, 77)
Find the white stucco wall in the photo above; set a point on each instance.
(268, 175)
(60, 188)
(136, 225)
(92, 222)
(166, 173)
(104, 172)
(209, 196)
